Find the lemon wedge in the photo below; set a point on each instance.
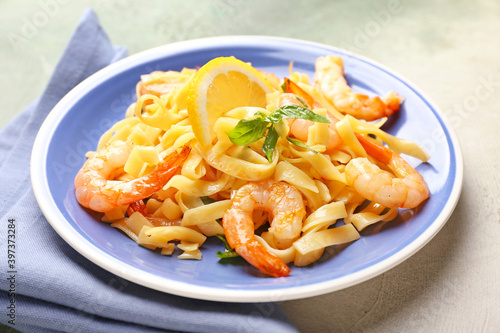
(221, 85)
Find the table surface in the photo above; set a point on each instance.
(447, 48)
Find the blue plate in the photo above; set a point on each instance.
(75, 124)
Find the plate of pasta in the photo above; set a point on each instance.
(246, 169)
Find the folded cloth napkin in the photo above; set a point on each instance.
(50, 287)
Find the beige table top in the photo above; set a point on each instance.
(449, 49)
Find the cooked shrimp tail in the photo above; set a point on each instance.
(330, 81)
(406, 190)
(138, 206)
(157, 221)
(257, 256)
(94, 189)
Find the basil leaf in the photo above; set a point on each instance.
(301, 144)
(301, 101)
(207, 200)
(296, 112)
(228, 251)
(227, 254)
(248, 131)
(224, 240)
(270, 143)
(284, 86)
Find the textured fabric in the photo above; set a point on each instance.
(57, 289)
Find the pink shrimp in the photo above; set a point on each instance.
(96, 191)
(330, 81)
(157, 221)
(407, 190)
(285, 204)
(157, 83)
(299, 128)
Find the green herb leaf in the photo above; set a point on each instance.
(224, 240)
(270, 143)
(227, 254)
(295, 112)
(301, 144)
(248, 131)
(207, 200)
(284, 86)
(304, 103)
(228, 251)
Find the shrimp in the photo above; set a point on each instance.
(158, 83)
(157, 221)
(286, 206)
(299, 128)
(95, 190)
(330, 81)
(407, 190)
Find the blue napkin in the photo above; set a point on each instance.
(47, 286)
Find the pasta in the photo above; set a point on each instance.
(168, 197)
